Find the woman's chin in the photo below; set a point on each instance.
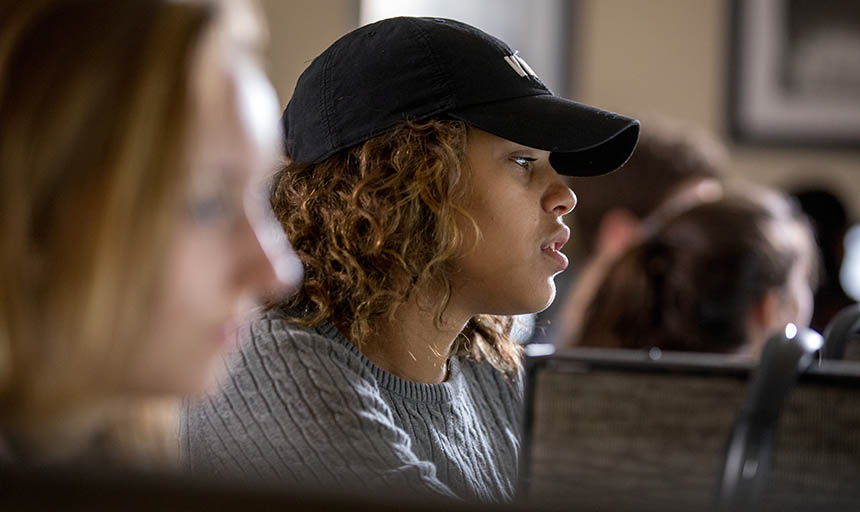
(536, 302)
(518, 300)
(548, 297)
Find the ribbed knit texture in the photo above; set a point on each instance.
(306, 407)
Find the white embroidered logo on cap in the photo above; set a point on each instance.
(520, 66)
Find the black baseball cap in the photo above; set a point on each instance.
(405, 68)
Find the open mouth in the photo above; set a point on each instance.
(557, 241)
(553, 247)
(553, 250)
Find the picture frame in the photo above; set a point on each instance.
(794, 71)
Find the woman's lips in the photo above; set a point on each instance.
(552, 247)
(553, 251)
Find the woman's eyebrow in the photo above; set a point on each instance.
(521, 150)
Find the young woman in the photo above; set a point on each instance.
(718, 277)
(423, 197)
(132, 134)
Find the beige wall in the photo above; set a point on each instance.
(299, 30)
(644, 57)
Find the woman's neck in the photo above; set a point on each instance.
(411, 345)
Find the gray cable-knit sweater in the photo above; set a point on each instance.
(306, 407)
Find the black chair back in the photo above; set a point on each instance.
(842, 335)
(748, 454)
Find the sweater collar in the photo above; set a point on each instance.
(443, 392)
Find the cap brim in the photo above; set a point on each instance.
(583, 140)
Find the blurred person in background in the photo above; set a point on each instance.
(423, 196)
(132, 137)
(673, 165)
(719, 277)
(830, 223)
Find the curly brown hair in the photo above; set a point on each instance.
(373, 222)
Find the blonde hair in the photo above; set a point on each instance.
(373, 222)
(94, 124)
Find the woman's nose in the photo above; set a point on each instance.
(559, 199)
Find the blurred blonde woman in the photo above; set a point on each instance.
(132, 135)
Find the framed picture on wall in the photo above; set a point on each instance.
(795, 73)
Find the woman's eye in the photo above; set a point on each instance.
(525, 162)
(210, 209)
